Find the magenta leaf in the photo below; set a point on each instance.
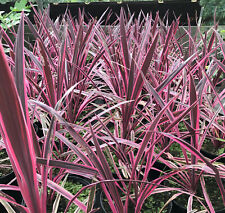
(17, 137)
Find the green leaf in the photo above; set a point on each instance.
(20, 5)
(220, 139)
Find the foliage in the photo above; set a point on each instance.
(113, 103)
(18, 143)
(210, 6)
(12, 18)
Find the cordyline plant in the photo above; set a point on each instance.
(137, 48)
(199, 121)
(170, 72)
(16, 131)
(60, 59)
(64, 49)
(150, 84)
(19, 137)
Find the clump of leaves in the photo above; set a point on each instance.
(124, 95)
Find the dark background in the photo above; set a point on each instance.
(96, 9)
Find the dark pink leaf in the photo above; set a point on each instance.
(17, 138)
(20, 66)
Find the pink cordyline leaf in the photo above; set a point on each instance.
(126, 55)
(139, 82)
(74, 148)
(48, 76)
(189, 205)
(20, 66)
(6, 38)
(61, 69)
(169, 38)
(79, 169)
(157, 97)
(47, 155)
(195, 115)
(214, 91)
(16, 136)
(221, 42)
(37, 36)
(9, 187)
(39, 90)
(34, 59)
(19, 207)
(174, 73)
(156, 22)
(42, 18)
(20, 79)
(211, 42)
